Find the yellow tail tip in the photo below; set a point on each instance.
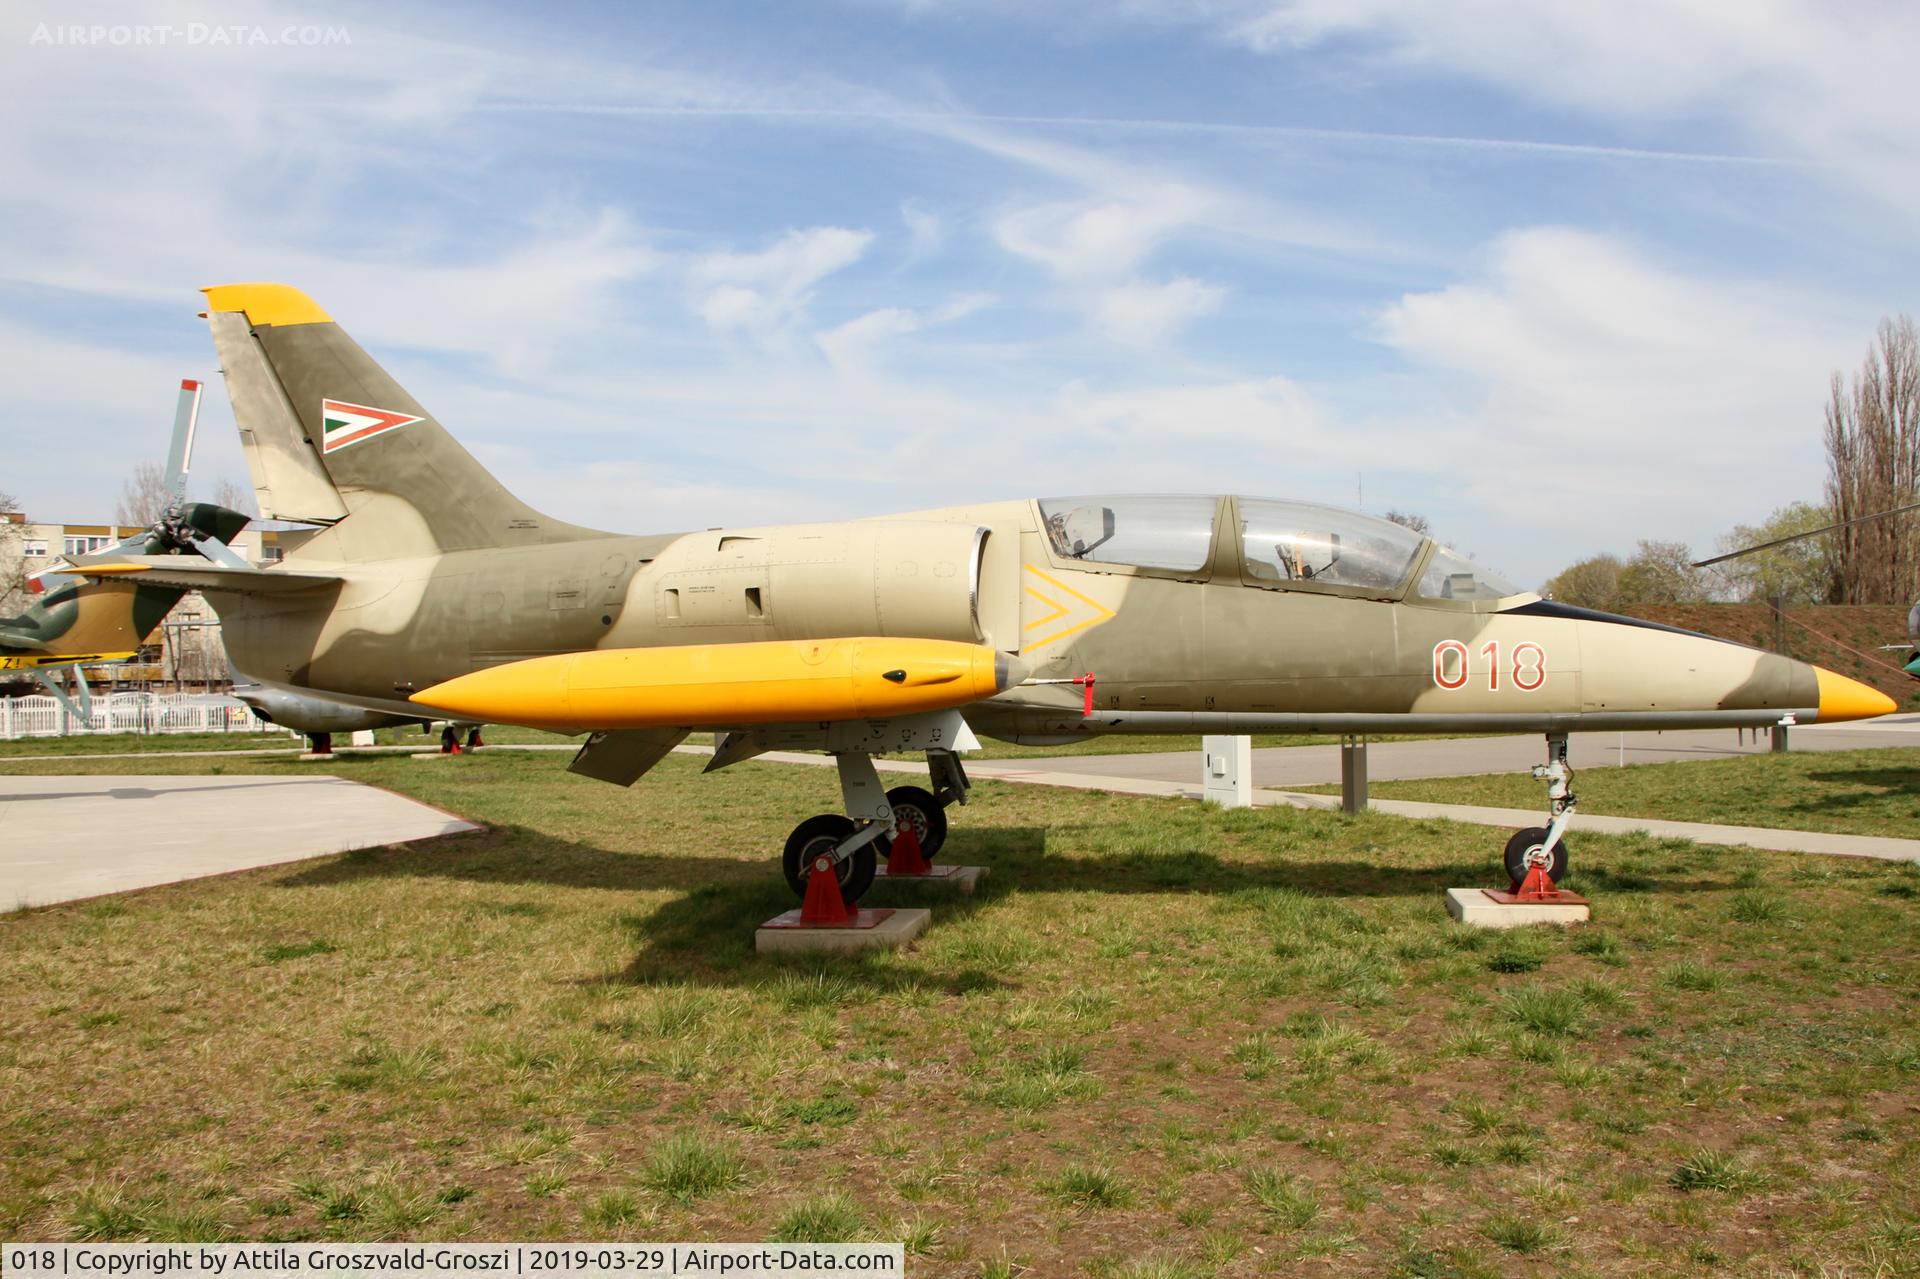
(266, 303)
(1843, 698)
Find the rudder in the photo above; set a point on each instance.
(329, 434)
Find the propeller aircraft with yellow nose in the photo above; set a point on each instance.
(1051, 620)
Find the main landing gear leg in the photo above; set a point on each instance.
(849, 847)
(922, 813)
(1536, 857)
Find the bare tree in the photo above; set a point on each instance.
(1800, 572)
(1873, 464)
(143, 497)
(235, 497)
(1407, 519)
(13, 562)
(1592, 583)
(1660, 573)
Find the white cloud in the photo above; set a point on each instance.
(852, 345)
(762, 291)
(119, 403)
(926, 232)
(1142, 314)
(1096, 246)
(1826, 83)
(1100, 238)
(855, 346)
(1603, 389)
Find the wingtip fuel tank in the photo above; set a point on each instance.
(717, 685)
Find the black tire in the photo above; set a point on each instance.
(922, 811)
(820, 834)
(1524, 843)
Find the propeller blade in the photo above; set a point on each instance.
(180, 455)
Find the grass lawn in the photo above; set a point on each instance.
(508, 734)
(1165, 1042)
(129, 743)
(1110, 744)
(1871, 792)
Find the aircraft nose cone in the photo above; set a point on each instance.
(1843, 698)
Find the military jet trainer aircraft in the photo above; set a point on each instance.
(434, 586)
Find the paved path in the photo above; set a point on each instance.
(1177, 775)
(1790, 841)
(72, 837)
(1461, 756)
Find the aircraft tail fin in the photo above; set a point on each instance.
(330, 438)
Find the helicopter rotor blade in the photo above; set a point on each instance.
(180, 453)
(1799, 537)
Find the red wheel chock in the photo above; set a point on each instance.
(823, 905)
(1538, 886)
(905, 858)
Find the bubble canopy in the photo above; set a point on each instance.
(1283, 545)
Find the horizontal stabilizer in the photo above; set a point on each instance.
(200, 575)
(624, 757)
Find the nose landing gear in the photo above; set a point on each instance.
(1536, 858)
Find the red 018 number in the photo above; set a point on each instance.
(1526, 665)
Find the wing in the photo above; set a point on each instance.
(623, 758)
(191, 575)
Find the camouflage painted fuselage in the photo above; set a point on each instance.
(430, 569)
(1164, 645)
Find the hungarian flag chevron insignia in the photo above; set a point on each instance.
(343, 424)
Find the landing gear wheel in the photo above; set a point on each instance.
(920, 810)
(1523, 850)
(823, 834)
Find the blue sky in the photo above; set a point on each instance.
(1558, 277)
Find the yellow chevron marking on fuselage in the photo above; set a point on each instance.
(1077, 612)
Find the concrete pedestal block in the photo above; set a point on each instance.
(1475, 907)
(884, 930)
(959, 879)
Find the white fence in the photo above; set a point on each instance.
(43, 716)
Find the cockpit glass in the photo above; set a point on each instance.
(1304, 545)
(1452, 576)
(1150, 532)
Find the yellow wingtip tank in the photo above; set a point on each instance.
(262, 303)
(1843, 698)
(34, 662)
(717, 685)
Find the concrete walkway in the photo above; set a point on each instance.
(1398, 760)
(69, 838)
(1136, 775)
(1792, 841)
